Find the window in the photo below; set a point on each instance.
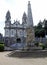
(12, 32)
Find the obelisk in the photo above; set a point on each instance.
(30, 30)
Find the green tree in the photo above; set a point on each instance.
(45, 26)
(39, 30)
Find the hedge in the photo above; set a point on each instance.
(1, 47)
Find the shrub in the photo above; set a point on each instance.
(37, 44)
(42, 45)
(1, 47)
(1, 42)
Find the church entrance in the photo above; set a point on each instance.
(18, 40)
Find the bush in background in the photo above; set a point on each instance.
(42, 45)
(1, 46)
(37, 44)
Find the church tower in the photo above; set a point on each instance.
(8, 19)
(24, 23)
(24, 19)
(7, 28)
(30, 29)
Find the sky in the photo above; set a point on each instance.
(18, 7)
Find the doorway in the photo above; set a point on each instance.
(18, 40)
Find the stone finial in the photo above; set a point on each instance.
(28, 2)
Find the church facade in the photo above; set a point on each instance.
(16, 32)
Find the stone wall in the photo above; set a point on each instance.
(30, 35)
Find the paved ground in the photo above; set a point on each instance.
(5, 60)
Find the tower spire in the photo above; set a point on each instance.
(29, 29)
(30, 19)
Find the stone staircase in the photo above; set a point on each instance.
(32, 53)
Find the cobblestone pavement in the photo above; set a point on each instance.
(5, 60)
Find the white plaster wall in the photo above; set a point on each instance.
(12, 32)
(7, 32)
(6, 24)
(25, 34)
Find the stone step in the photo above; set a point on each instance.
(39, 53)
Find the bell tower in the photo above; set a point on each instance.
(7, 28)
(8, 19)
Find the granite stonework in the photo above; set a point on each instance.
(30, 36)
(29, 29)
